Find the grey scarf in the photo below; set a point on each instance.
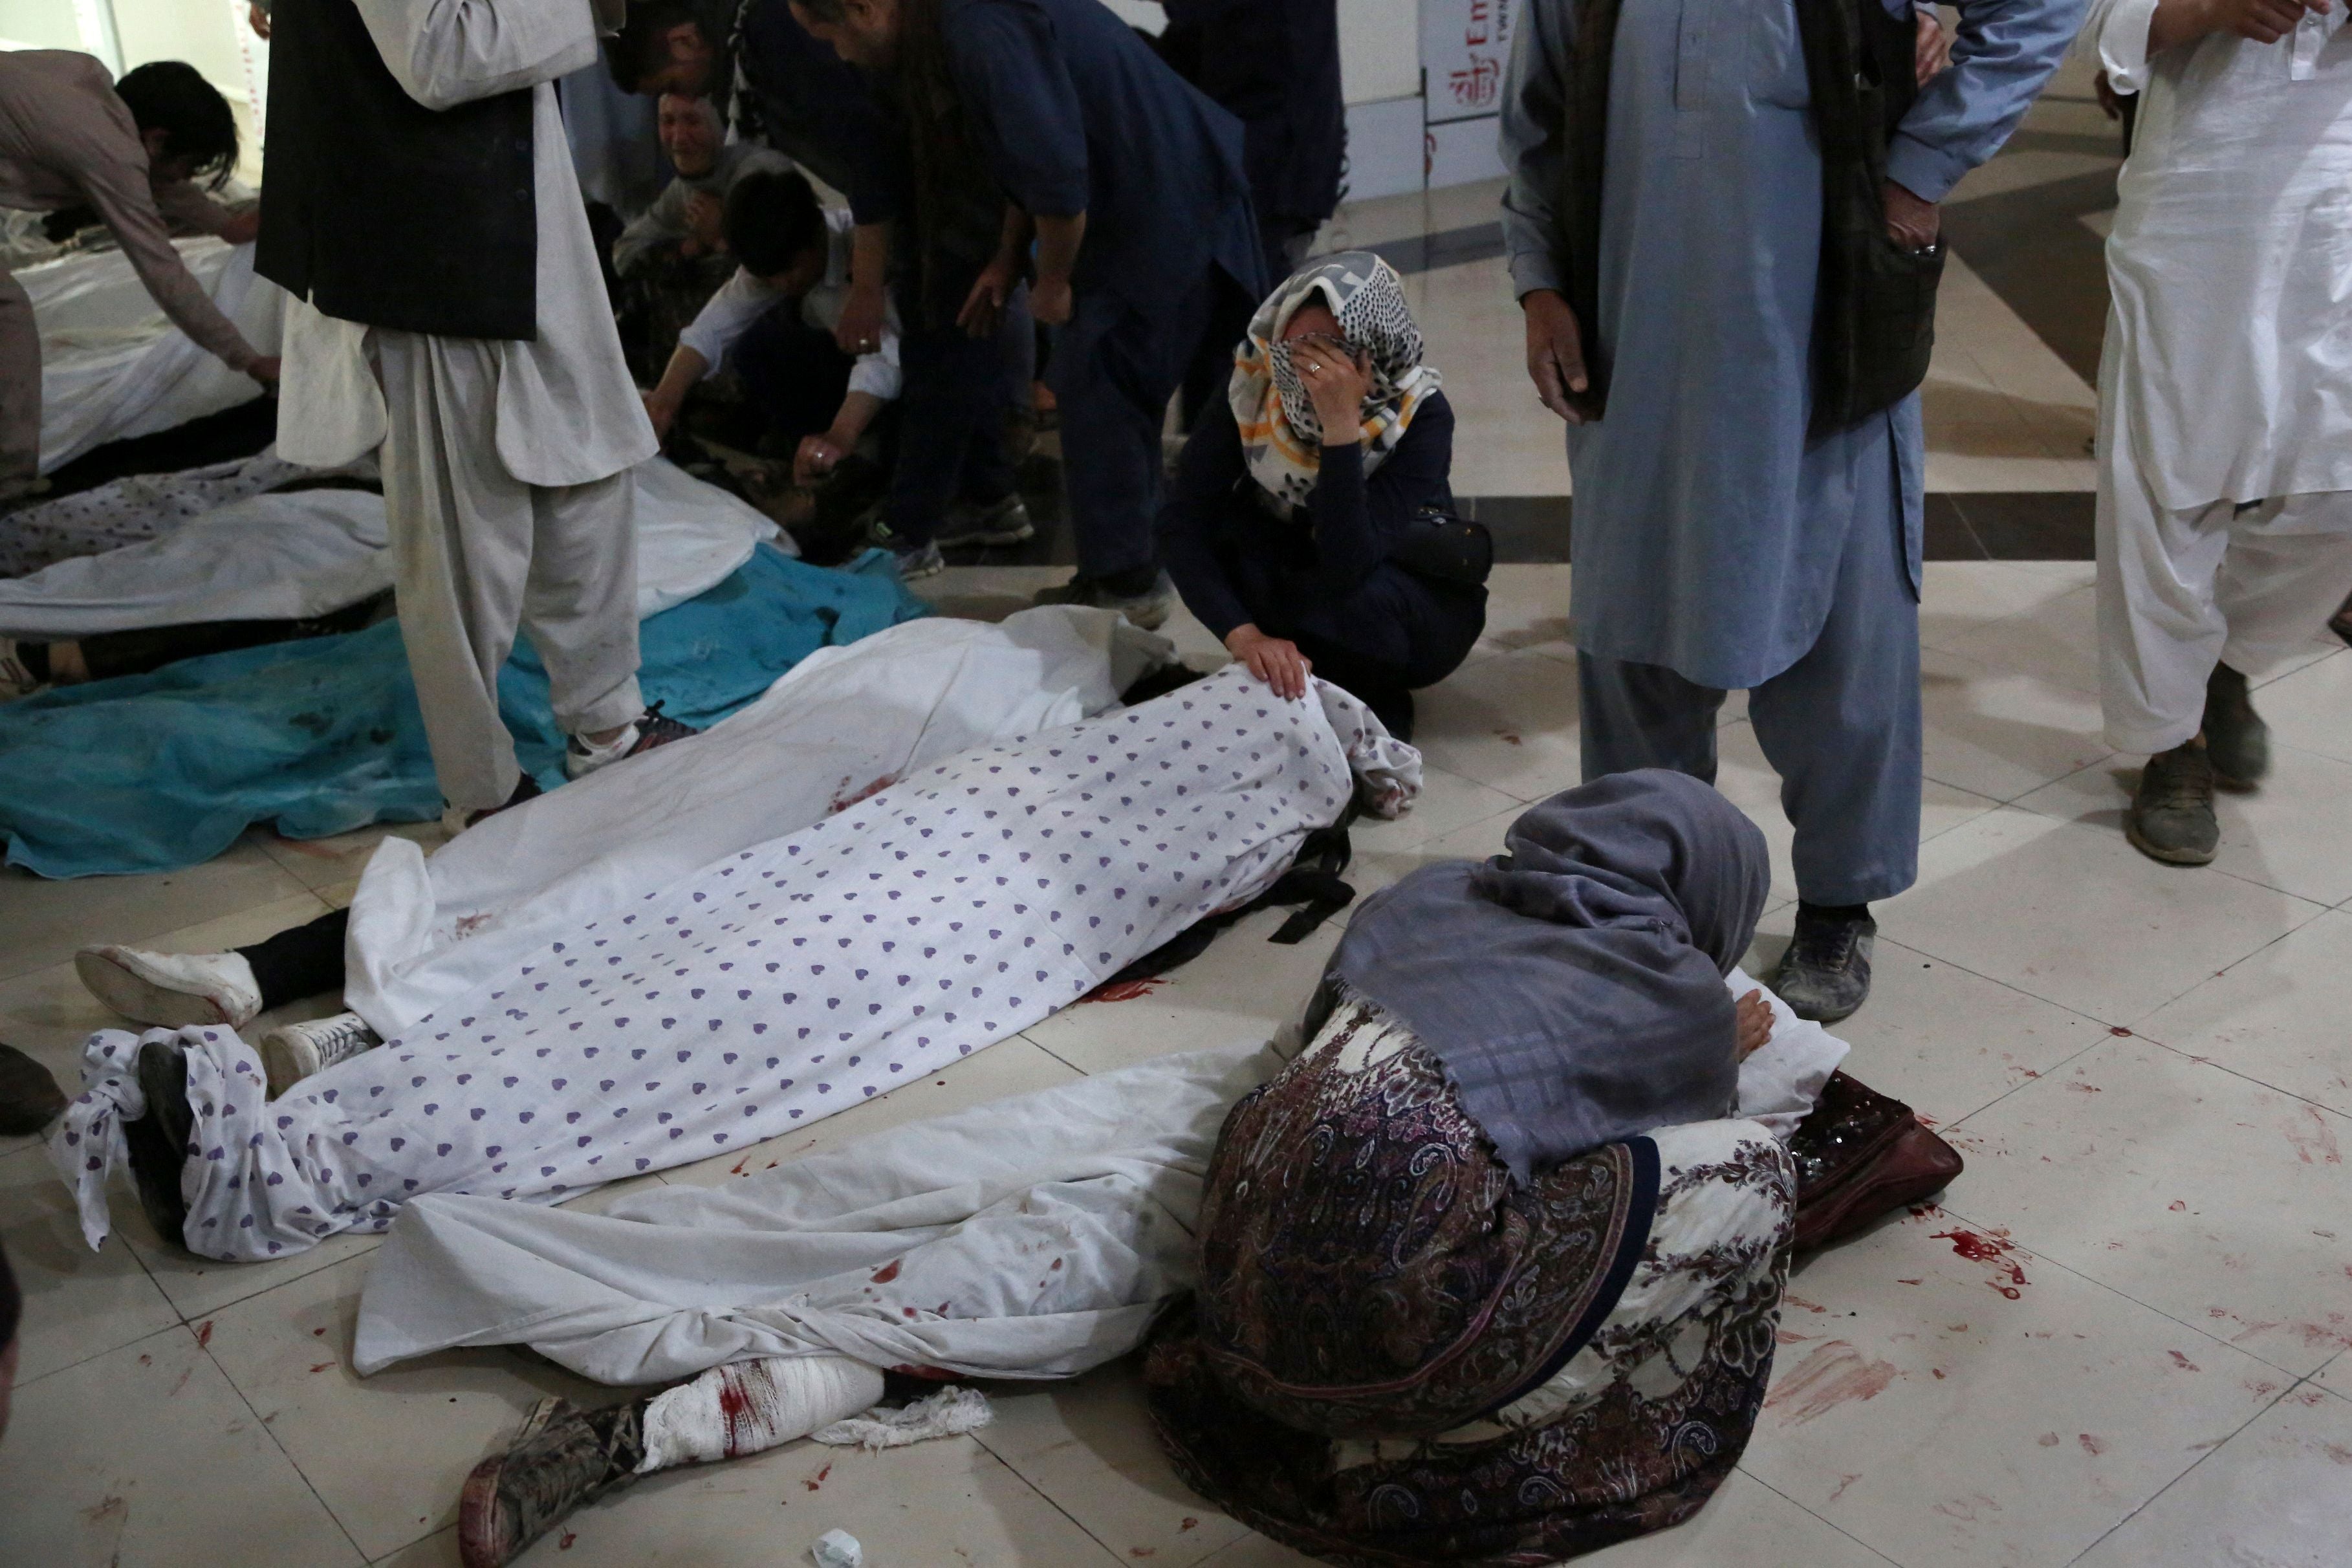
(1573, 987)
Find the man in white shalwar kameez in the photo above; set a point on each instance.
(423, 212)
(2225, 434)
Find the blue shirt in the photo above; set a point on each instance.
(1075, 113)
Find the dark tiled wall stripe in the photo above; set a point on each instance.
(2031, 248)
(2017, 525)
(1448, 247)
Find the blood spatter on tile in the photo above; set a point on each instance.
(1834, 1373)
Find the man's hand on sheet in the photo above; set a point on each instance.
(243, 227)
(706, 225)
(1755, 1015)
(265, 370)
(1555, 353)
(1277, 662)
(1911, 223)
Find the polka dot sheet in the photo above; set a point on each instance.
(778, 984)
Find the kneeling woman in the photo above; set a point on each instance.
(1490, 1273)
(1303, 527)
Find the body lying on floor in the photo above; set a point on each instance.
(1604, 1138)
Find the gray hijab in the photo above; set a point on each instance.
(1572, 986)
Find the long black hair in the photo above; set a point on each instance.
(172, 96)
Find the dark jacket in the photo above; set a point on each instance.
(1276, 64)
(1324, 577)
(381, 211)
(810, 105)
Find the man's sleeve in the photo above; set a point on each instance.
(725, 317)
(447, 52)
(1017, 88)
(115, 181)
(1534, 128)
(182, 202)
(663, 223)
(2005, 51)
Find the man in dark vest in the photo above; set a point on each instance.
(423, 213)
(1708, 306)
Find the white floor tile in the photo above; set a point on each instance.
(2000, 732)
(77, 1303)
(322, 863)
(2289, 835)
(2310, 707)
(1446, 802)
(2278, 1016)
(1508, 723)
(2181, 1185)
(1921, 1410)
(1950, 1042)
(386, 1454)
(2059, 642)
(1744, 1521)
(1526, 606)
(1088, 1447)
(2275, 1494)
(2075, 916)
(944, 1504)
(1961, 597)
(146, 1457)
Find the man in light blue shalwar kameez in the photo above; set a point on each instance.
(1717, 547)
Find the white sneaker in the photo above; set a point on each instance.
(16, 678)
(174, 989)
(583, 757)
(292, 1052)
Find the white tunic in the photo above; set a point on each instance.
(2228, 360)
(567, 411)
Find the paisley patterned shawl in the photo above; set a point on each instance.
(1369, 1269)
(1398, 1356)
(1282, 438)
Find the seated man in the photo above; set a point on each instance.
(673, 257)
(133, 149)
(774, 320)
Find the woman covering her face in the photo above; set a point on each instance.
(1294, 527)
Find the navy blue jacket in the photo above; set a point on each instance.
(1325, 576)
(1075, 113)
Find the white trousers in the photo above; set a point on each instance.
(2182, 591)
(477, 554)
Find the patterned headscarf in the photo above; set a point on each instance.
(1280, 433)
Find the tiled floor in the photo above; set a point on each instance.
(2121, 1341)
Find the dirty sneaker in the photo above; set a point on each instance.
(915, 561)
(2237, 741)
(1147, 610)
(292, 1052)
(30, 1098)
(1825, 975)
(562, 1458)
(1004, 521)
(173, 989)
(582, 758)
(2171, 815)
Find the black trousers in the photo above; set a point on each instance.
(300, 961)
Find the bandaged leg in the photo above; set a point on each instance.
(744, 1407)
(2182, 591)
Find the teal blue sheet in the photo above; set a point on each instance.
(151, 773)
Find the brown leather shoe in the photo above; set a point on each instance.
(29, 1095)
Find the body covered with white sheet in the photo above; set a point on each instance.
(778, 983)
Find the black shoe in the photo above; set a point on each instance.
(29, 1095)
(1825, 975)
(2236, 739)
(2171, 815)
(158, 1142)
(526, 788)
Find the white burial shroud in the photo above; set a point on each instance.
(772, 985)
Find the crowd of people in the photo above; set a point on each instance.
(904, 234)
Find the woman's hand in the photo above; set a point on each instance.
(1755, 1023)
(1278, 663)
(1337, 378)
